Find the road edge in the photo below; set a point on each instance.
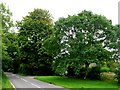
(12, 84)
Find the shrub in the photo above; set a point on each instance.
(22, 69)
(94, 73)
(107, 76)
(105, 69)
(118, 73)
(82, 73)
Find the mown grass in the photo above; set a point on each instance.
(76, 83)
(6, 83)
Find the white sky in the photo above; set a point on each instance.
(62, 8)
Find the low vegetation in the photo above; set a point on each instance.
(108, 76)
(118, 73)
(76, 83)
(6, 83)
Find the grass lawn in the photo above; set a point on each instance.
(76, 83)
(6, 83)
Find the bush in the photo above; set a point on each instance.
(105, 69)
(118, 73)
(82, 73)
(22, 69)
(94, 73)
(107, 76)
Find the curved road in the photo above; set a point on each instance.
(28, 83)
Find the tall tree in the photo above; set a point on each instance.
(82, 39)
(6, 24)
(33, 30)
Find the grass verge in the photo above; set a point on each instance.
(76, 83)
(6, 83)
(0, 83)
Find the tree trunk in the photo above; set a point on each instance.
(86, 67)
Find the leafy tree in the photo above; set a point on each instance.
(6, 24)
(117, 52)
(33, 30)
(80, 40)
(5, 14)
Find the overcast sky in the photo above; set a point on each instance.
(62, 8)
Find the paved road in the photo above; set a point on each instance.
(27, 82)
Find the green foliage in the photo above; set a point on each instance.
(68, 47)
(111, 65)
(22, 69)
(105, 69)
(5, 14)
(78, 41)
(34, 29)
(7, 37)
(94, 73)
(10, 50)
(107, 76)
(118, 73)
(117, 54)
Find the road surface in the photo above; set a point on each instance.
(28, 83)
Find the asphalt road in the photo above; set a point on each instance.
(28, 83)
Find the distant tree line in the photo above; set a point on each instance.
(75, 46)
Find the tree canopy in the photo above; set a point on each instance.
(6, 24)
(33, 30)
(81, 39)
